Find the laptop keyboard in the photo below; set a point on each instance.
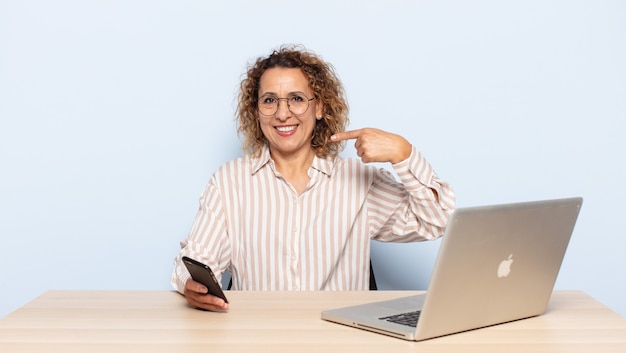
(408, 319)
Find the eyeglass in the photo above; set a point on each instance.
(297, 103)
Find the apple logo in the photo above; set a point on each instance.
(505, 267)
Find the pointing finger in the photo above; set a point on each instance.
(346, 135)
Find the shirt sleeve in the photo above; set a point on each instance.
(208, 240)
(416, 209)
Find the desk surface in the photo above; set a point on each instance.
(160, 321)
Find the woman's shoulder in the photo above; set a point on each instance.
(235, 166)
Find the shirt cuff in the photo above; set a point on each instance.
(415, 168)
(419, 178)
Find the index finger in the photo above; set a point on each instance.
(346, 135)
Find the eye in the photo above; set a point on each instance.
(297, 98)
(268, 100)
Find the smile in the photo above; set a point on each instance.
(286, 129)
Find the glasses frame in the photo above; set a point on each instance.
(307, 100)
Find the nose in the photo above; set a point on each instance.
(283, 111)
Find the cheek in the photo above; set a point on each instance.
(263, 126)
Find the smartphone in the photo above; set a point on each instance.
(202, 273)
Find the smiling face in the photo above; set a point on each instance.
(288, 134)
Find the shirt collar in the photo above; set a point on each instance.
(323, 165)
(258, 163)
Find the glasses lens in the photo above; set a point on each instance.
(268, 105)
(298, 104)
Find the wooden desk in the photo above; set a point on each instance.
(160, 321)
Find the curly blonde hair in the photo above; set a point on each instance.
(323, 81)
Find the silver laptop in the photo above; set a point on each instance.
(496, 264)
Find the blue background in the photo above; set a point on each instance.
(114, 114)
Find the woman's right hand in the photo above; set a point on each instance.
(198, 297)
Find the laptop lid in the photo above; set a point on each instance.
(496, 264)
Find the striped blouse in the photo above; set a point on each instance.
(252, 222)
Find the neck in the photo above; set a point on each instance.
(296, 164)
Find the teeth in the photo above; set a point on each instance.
(286, 128)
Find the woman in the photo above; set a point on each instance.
(293, 215)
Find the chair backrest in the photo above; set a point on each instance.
(372, 278)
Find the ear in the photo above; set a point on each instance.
(319, 110)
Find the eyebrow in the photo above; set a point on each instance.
(288, 94)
